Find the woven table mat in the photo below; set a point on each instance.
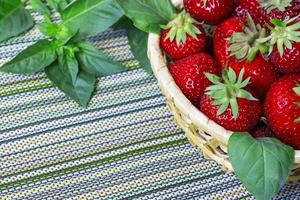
(124, 146)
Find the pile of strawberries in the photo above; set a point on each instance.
(239, 62)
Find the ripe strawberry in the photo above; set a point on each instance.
(282, 109)
(263, 11)
(188, 73)
(236, 45)
(285, 45)
(261, 130)
(209, 11)
(229, 104)
(183, 37)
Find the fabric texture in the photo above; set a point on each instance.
(123, 146)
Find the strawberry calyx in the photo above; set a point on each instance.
(182, 25)
(297, 91)
(227, 89)
(245, 45)
(283, 34)
(270, 5)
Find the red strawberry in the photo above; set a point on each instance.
(209, 11)
(261, 130)
(289, 62)
(229, 104)
(221, 43)
(285, 45)
(188, 73)
(235, 45)
(263, 11)
(183, 37)
(282, 109)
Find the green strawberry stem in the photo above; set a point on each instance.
(245, 45)
(230, 87)
(182, 25)
(270, 5)
(283, 34)
(226, 90)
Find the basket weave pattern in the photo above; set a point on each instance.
(202, 132)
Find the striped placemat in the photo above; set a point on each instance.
(124, 146)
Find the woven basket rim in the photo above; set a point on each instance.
(169, 87)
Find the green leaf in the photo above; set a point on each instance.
(138, 41)
(234, 107)
(148, 15)
(58, 5)
(262, 165)
(218, 94)
(279, 23)
(81, 91)
(244, 94)
(14, 18)
(223, 107)
(241, 76)
(94, 61)
(91, 17)
(32, 59)
(231, 76)
(280, 46)
(39, 6)
(48, 29)
(297, 90)
(68, 62)
(219, 86)
(64, 34)
(60, 32)
(212, 78)
(244, 83)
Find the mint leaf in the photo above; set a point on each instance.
(91, 17)
(262, 165)
(80, 91)
(14, 19)
(148, 15)
(138, 41)
(32, 59)
(94, 61)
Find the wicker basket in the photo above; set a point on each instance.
(202, 132)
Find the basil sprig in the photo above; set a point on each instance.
(14, 19)
(69, 61)
(67, 53)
